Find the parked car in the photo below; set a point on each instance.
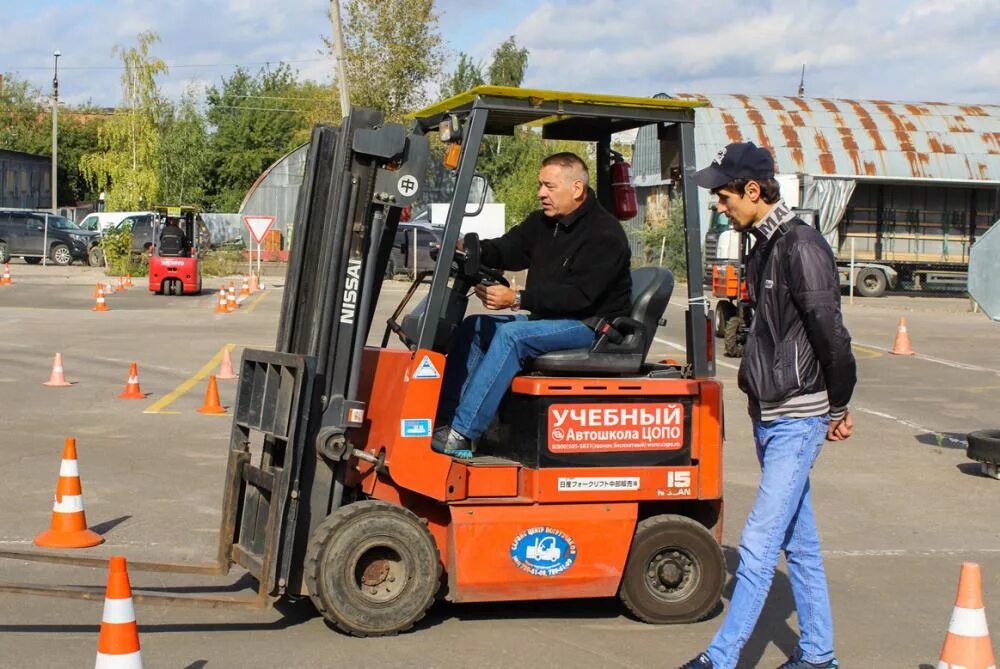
(401, 259)
(23, 233)
(101, 221)
(142, 226)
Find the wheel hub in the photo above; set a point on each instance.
(380, 573)
(375, 573)
(669, 571)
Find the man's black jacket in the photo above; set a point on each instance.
(797, 344)
(578, 266)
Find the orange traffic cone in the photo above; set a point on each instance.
(226, 368)
(967, 644)
(128, 281)
(118, 645)
(109, 289)
(121, 282)
(231, 304)
(245, 290)
(220, 306)
(100, 305)
(212, 403)
(132, 391)
(68, 528)
(5, 280)
(57, 379)
(97, 289)
(902, 343)
(253, 283)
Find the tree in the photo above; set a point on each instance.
(467, 75)
(184, 156)
(392, 50)
(663, 239)
(508, 65)
(126, 164)
(255, 121)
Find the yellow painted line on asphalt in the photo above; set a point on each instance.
(872, 353)
(188, 384)
(254, 303)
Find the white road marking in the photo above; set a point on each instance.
(914, 426)
(940, 361)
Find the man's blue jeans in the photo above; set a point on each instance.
(781, 519)
(486, 354)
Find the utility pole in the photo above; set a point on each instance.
(338, 51)
(55, 132)
(802, 82)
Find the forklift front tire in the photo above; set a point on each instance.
(675, 571)
(372, 568)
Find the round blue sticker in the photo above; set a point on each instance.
(543, 551)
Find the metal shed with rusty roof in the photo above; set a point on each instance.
(932, 168)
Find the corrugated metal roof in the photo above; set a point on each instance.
(850, 138)
(276, 191)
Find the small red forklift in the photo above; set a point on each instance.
(602, 474)
(176, 271)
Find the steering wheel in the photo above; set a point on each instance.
(472, 268)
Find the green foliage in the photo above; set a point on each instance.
(467, 75)
(393, 50)
(251, 131)
(222, 262)
(126, 162)
(509, 64)
(184, 154)
(26, 125)
(119, 258)
(664, 234)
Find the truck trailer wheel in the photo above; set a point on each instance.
(372, 568)
(723, 312)
(871, 282)
(95, 257)
(675, 571)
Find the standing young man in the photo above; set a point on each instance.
(798, 373)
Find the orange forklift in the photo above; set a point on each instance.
(602, 474)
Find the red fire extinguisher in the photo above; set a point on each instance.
(622, 190)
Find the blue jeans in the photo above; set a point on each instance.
(781, 519)
(486, 354)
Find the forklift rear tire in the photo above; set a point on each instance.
(675, 571)
(723, 312)
(372, 568)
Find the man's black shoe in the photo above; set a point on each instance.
(796, 662)
(700, 662)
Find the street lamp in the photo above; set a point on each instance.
(55, 129)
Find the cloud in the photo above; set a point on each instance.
(888, 49)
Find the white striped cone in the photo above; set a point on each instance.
(118, 645)
(967, 644)
(68, 528)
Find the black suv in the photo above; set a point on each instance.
(401, 259)
(22, 233)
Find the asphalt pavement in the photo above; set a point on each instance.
(898, 505)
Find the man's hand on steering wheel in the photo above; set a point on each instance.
(497, 296)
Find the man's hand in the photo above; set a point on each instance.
(838, 430)
(497, 296)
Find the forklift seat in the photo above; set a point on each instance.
(651, 290)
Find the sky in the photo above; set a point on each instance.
(898, 50)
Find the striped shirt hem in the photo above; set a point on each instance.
(800, 406)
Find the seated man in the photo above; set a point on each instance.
(578, 263)
(173, 241)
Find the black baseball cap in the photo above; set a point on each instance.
(739, 160)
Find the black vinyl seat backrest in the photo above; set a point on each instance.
(651, 291)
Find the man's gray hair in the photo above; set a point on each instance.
(572, 162)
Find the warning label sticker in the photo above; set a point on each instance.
(591, 483)
(609, 428)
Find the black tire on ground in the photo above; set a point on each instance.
(4, 253)
(732, 338)
(32, 260)
(95, 257)
(675, 571)
(372, 568)
(871, 282)
(723, 312)
(61, 255)
(984, 446)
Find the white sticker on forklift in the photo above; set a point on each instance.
(543, 551)
(415, 427)
(593, 483)
(426, 369)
